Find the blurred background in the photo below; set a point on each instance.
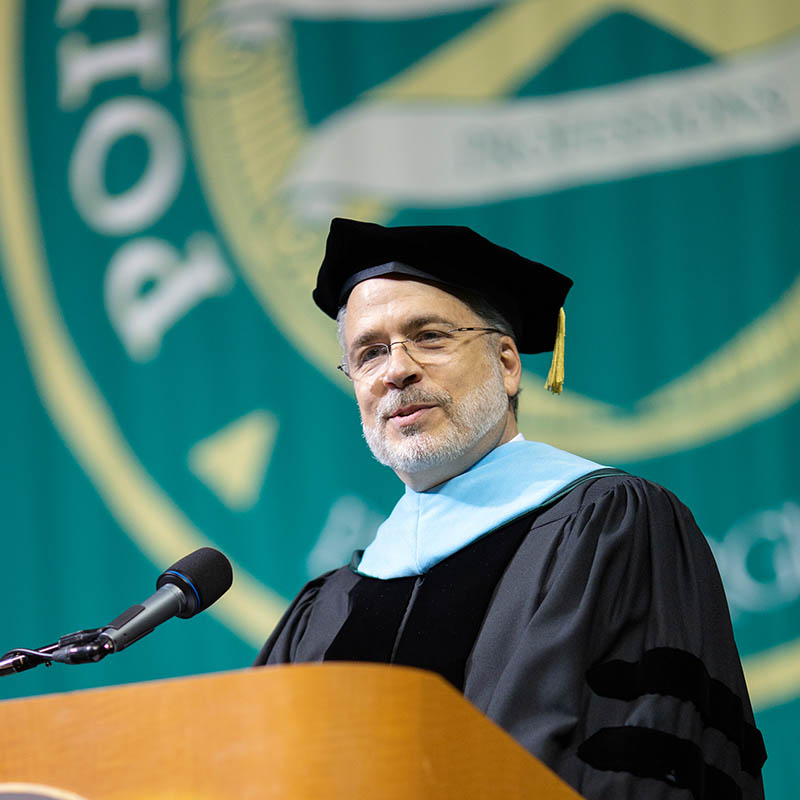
(168, 171)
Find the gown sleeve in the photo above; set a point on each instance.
(614, 654)
(281, 646)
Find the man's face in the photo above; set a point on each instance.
(420, 417)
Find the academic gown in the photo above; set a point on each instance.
(594, 629)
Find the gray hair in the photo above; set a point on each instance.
(478, 304)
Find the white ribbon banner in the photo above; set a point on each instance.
(430, 154)
(350, 9)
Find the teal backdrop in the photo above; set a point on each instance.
(167, 175)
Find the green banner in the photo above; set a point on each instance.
(168, 172)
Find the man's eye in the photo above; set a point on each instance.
(371, 353)
(431, 338)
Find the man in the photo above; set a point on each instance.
(575, 605)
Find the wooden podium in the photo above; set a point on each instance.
(305, 731)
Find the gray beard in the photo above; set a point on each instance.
(471, 419)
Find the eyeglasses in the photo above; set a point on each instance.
(428, 347)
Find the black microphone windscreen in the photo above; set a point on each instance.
(205, 575)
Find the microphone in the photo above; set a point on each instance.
(188, 587)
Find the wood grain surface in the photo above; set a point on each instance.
(305, 731)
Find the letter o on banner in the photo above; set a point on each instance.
(150, 196)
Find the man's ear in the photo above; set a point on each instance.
(511, 365)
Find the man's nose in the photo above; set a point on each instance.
(401, 370)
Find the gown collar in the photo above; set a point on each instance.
(426, 527)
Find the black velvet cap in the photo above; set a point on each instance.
(528, 294)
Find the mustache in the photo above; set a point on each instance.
(396, 399)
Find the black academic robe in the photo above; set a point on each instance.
(594, 630)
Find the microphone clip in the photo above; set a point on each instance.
(82, 647)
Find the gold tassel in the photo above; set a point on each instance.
(555, 378)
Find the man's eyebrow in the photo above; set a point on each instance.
(373, 335)
(426, 319)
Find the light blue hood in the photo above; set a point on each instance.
(426, 527)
